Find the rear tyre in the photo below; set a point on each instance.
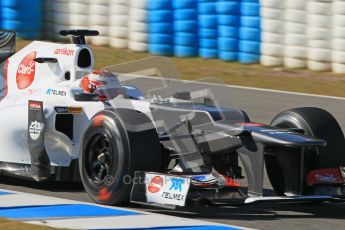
(282, 163)
(113, 147)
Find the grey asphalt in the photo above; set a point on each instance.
(261, 106)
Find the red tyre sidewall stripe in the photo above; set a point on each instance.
(98, 120)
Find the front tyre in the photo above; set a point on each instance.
(112, 149)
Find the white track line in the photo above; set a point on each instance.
(285, 92)
(126, 222)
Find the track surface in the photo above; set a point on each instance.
(261, 107)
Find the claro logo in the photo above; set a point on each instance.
(26, 71)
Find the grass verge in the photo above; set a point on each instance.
(14, 225)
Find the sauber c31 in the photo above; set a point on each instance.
(167, 142)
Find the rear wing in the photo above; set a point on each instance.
(7, 44)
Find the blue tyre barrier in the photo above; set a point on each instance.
(161, 49)
(159, 4)
(207, 7)
(227, 7)
(208, 53)
(161, 27)
(250, 9)
(249, 21)
(251, 47)
(160, 38)
(208, 21)
(228, 20)
(22, 25)
(8, 13)
(185, 14)
(25, 4)
(246, 58)
(208, 43)
(228, 56)
(247, 33)
(227, 44)
(160, 16)
(185, 51)
(183, 4)
(185, 39)
(185, 26)
(208, 33)
(29, 35)
(228, 31)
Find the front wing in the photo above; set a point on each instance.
(170, 191)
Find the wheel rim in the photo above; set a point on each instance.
(99, 159)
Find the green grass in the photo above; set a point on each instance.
(304, 81)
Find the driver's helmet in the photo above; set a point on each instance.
(102, 82)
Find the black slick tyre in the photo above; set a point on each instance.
(113, 147)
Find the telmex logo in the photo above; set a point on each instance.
(64, 51)
(26, 71)
(176, 184)
(56, 92)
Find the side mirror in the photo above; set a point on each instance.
(132, 92)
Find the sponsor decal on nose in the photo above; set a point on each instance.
(156, 184)
(176, 184)
(326, 176)
(26, 71)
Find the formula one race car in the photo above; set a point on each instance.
(135, 132)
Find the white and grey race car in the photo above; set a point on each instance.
(135, 132)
